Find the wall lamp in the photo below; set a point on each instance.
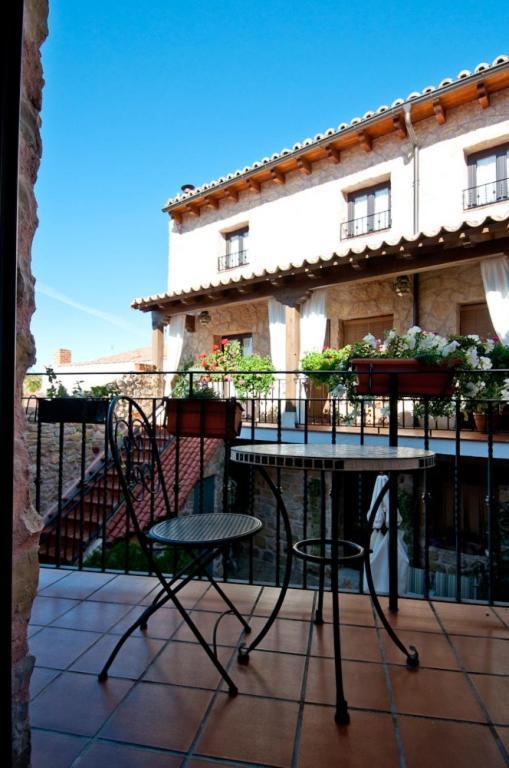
(402, 285)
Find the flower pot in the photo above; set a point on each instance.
(481, 422)
(73, 410)
(414, 380)
(195, 417)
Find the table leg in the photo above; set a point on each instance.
(323, 534)
(245, 650)
(393, 542)
(342, 717)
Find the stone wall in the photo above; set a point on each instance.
(26, 522)
(442, 293)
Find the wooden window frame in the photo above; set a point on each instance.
(501, 155)
(370, 192)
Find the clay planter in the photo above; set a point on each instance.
(416, 379)
(197, 417)
(481, 422)
(73, 410)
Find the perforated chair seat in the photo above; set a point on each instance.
(208, 528)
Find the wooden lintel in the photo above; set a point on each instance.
(244, 289)
(358, 265)
(304, 166)
(278, 176)
(365, 141)
(333, 153)
(399, 126)
(439, 112)
(311, 276)
(276, 283)
(232, 194)
(482, 95)
(212, 202)
(253, 185)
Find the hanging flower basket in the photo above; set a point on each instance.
(415, 379)
(73, 410)
(199, 417)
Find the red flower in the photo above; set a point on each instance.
(224, 342)
(215, 347)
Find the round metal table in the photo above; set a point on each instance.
(337, 459)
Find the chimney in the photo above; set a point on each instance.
(63, 357)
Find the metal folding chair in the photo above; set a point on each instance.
(203, 537)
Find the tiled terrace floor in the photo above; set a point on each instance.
(163, 705)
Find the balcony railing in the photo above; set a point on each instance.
(485, 194)
(231, 260)
(366, 224)
(458, 539)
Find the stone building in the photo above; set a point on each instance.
(399, 217)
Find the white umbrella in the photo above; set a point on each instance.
(379, 544)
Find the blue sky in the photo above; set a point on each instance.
(143, 97)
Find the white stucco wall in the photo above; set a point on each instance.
(302, 218)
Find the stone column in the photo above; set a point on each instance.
(26, 523)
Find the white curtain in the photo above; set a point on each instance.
(277, 333)
(379, 545)
(495, 275)
(174, 347)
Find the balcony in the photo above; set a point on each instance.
(486, 194)
(163, 704)
(365, 225)
(232, 260)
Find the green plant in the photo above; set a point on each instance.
(255, 377)
(119, 557)
(56, 388)
(252, 375)
(324, 367)
(32, 384)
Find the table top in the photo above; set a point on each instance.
(339, 457)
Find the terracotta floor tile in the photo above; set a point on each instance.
(204, 763)
(126, 589)
(49, 576)
(251, 730)
(298, 603)
(187, 664)
(455, 745)
(104, 755)
(503, 734)
(55, 750)
(434, 693)
(161, 716)
(494, 692)
(161, 625)
(77, 704)
(242, 596)
(271, 674)
(188, 596)
(285, 635)
(95, 617)
(58, 648)
(77, 585)
(483, 654)
(358, 745)
(47, 609)
(359, 643)
(40, 678)
(364, 684)
(353, 609)
(471, 620)
(132, 661)
(228, 633)
(416, 615)
(434, 650)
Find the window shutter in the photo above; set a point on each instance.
(502, 175)
(471, 200)
(351, 216)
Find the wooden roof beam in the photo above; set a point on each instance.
(365, 141)
(439, 112)
(231, 194)
(211, 202)
(482, 95)
(176, 217)
(398, 123)
(304, 166)
(192, 210)
(277, 176)
(333, 154)
(253, 185)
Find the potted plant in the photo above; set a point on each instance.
(425, 363)
(202, 414)
(81, 407)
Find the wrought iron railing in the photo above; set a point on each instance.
(485, 194)
(458, 541)
(366, 224)
(231, 260)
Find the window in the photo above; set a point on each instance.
(369, 210)
(487, 177)
(475, 318)
(355, 330)
(235, 254)
(245, 340)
